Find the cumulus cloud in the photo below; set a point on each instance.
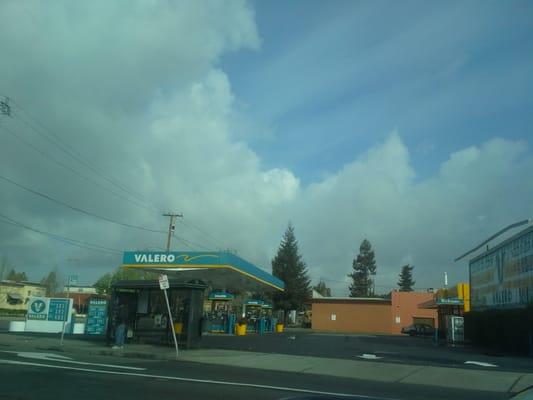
(424, 222)
(138, 91)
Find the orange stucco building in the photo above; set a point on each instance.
(372, 315)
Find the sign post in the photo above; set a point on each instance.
(72, 280)
(164, 285)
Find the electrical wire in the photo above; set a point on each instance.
(112, 221)
(67, 167)
(64, 239)
(190, 244)
(214, 241)
(24, 116)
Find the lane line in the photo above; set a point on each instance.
(480, 363)
(63, 359)
(194, 380)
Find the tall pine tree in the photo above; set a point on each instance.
(406, 282)
(288, 266)
(51, 281)
(364, 267)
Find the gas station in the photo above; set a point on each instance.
(209, 293)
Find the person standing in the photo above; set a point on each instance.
(120, 332)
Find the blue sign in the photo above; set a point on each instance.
(37, 309)
(254, 302)
(58, 309)
(220, 296)
(96, 317)
(206, 259)
(38, 306)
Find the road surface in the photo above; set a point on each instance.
(55, 376)
(386, 348)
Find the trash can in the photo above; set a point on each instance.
(178, 327)
(279, 328)
(240, 329)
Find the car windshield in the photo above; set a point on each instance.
(225, 199)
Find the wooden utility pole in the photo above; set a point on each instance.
(171, 226)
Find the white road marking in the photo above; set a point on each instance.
(367, 356)
(64, 359)
(193, 380)
(480, 363)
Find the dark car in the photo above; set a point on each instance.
(418, 330)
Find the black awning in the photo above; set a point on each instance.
(15, 296)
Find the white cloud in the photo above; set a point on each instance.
(138, 91)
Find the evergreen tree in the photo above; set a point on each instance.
(406, 282)
(364, 267)
(322, 289)
(51, 282)
(288, 266)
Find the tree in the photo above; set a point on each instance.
(288, 266)
(103, 284)
(4, 266)
(12, 275)
(51, 282)
(364, 267)
(406, 282)
(322, 289)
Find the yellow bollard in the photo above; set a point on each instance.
(279, 328)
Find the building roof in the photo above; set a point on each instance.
(502, 244)
(351, 300)
(221, 270)
(151, 284)
(22, 283)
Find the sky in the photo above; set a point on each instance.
(408, 124)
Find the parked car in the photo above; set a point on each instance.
(418, 330)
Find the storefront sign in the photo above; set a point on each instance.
(96, 317)
(48, 314)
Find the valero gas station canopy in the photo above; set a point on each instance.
(221, 270)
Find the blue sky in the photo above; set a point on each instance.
(406, 123)
(331, 79)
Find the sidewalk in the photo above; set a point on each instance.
(457, 378)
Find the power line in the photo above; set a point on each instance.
(70, 169)
(207, 235)
(190, 244)
(74, 242)
(75, 155)
(112, 221)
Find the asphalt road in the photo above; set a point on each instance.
(46, 376)
(392, 349)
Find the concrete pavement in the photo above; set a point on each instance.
(456, 378)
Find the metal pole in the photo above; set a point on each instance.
(171, 226)
(171, 322)
(67, 312)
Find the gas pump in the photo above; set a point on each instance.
(253, 310)
(220, 319)
(270, 321)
